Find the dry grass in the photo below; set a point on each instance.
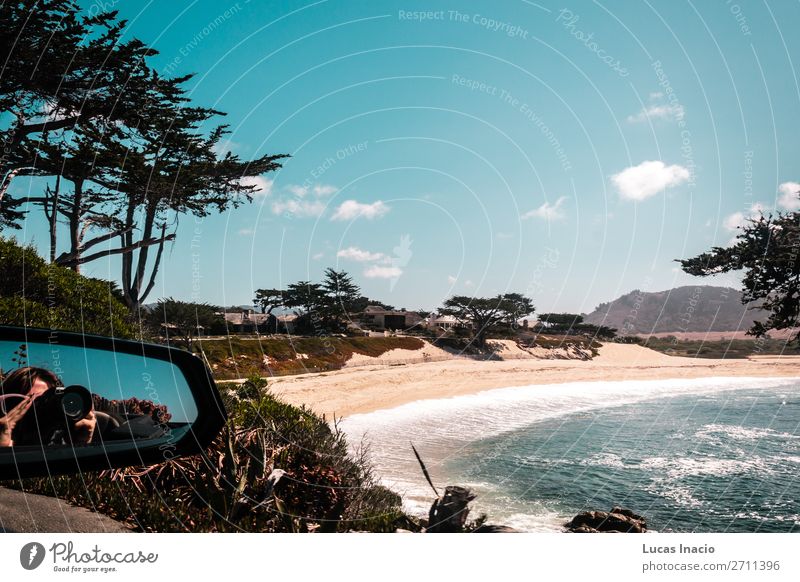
(278, 356)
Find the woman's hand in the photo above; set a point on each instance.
(83, 430)
(10, 420)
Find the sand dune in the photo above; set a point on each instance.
(391, 382)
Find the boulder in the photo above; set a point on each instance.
(488, 528)
(618, 520)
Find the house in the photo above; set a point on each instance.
(287, 323)
(248, 321)
(377, 318)
(442, 322)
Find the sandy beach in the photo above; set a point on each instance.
(390, 381)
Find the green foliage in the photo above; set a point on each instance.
(572, 324)
(768, 251)
(273, 468)
(720, 349)
(182, 319)
(322, 308)
(37, 294)
(136, 155)
(238, 358)
(487, 314)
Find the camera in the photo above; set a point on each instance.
(52, 416)
(75, 401)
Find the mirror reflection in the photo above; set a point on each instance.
(54, 395)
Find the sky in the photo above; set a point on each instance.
(571, 151)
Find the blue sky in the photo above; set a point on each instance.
(568, 150)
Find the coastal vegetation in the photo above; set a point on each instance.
(119, 152)
(767, 249)
(273, 468)
(720, 349)
(36, 293)
(275, 356)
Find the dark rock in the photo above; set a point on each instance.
(448, 514)
(486, 528)
(618, 520)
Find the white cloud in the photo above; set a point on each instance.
(318, 256)
(360, 255)
(789, 200)
(451, 280)
(246, 231)
(321, 190)
(733, 221)
(297, 190)
(469, 284)
(318, 190)
(350, 210)
(648, 179)
(738, 219)
(298, 208)
(263, 185)
(548, 211)
(378, 272)
(656, 95)
(657, 112)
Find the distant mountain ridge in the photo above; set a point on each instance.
(701, 308)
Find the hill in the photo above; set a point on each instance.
(702, 308)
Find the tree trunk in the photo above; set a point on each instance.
(75, 222)
(53, 220)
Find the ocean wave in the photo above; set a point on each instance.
(741, 433)
(659, 460)
(494, 412)
(680, 468)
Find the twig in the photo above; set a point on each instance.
(424, 469)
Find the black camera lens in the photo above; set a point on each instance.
(76, 402)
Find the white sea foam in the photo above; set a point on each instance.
(741, 433)
(444, 431)
(478, 416)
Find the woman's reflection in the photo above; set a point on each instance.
(35, 412)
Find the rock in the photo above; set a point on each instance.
(627, 513)
(618, 520)
(448, 514)
(487, 528)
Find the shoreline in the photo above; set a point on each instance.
(367, 388)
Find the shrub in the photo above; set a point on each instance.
(273, 468)
(35, 293)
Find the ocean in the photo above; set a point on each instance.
(701, 455)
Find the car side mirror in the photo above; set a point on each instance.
(72, 402)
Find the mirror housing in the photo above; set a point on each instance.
(190, 391)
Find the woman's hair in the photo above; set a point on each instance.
(21, 380)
